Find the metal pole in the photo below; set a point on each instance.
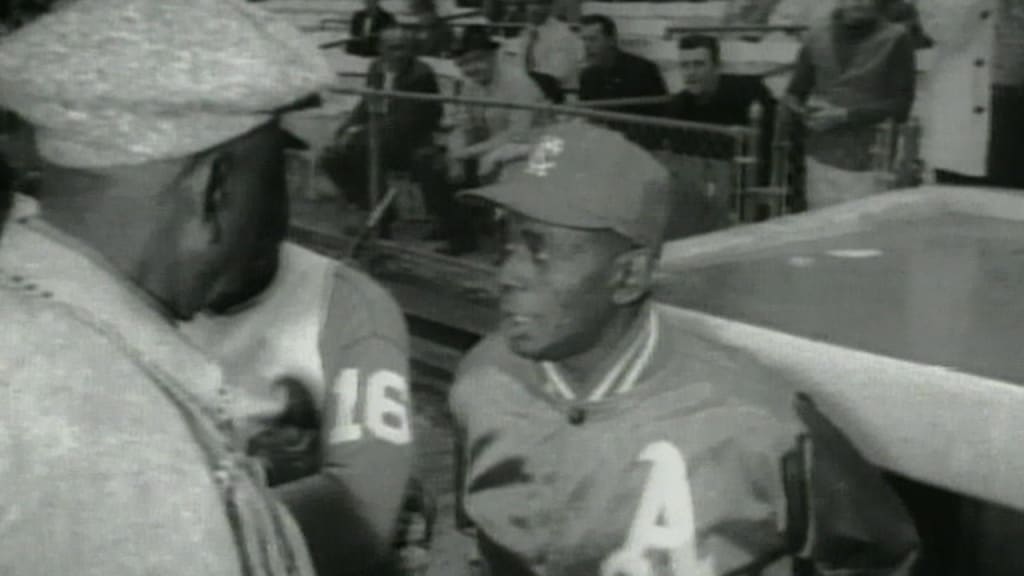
(374, 157)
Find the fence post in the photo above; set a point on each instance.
(376, 109)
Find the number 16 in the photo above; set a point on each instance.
(385, 414)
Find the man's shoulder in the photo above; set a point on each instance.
(490, 369)
(636, 62)
(365, 305)
(50, 345)
(736, 377)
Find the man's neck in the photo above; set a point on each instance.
(585, 369)
(608, 59)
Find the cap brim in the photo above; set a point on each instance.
(537, 203)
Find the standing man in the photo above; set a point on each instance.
(548, 46)
(853, 73)
(974, 116)
(163, 188)
(613, 74)
(601, 436)
(365, 28)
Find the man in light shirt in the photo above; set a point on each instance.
(481, 132)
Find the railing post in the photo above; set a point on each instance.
(376, 109)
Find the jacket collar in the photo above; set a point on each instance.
(63, 270)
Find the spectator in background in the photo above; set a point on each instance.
(613, 74)
(365, 28)
(406, 126)
(711, 97)
(480, 132)
(854, 72)
(548, 46)
(433, 35)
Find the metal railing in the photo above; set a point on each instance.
(717, 170)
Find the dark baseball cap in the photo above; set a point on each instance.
(579, 175)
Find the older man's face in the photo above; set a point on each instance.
(395, 49)
(478, 67)
(557, 288)
(253, 220)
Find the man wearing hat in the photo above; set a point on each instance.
(162, 197)
(602, 436)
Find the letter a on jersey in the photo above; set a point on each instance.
(663, 524)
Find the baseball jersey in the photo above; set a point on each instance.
(327, 334)
(687, 459)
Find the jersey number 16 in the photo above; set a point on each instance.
(384, 414)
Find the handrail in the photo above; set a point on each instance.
(636, 119)
(734, 28)
(624, 102)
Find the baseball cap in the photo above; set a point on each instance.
(579, 175)
(108, 83)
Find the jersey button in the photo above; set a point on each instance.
(577, 416)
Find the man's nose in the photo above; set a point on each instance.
(514, 270)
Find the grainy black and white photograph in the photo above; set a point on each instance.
(512, 287)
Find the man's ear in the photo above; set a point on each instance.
(203, 181)
(634, 271)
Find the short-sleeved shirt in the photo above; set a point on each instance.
(336, 337)
(511, 84)
(678, 467)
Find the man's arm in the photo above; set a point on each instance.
(348, 511)
(802, 82)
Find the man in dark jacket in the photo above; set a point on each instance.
(406, 127)
(613, 74)
(365, 28)
(711, 97)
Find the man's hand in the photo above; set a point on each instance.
(345, 135)
(824, 116)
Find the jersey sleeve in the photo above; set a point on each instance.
(349, 510)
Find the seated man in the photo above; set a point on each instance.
(434, 36)
(711, 97)
(602, 436)
(481, 132)
(612, 73)
(548, 46)
(365, 28)
(406, 127)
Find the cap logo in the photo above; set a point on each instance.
(542, 159)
